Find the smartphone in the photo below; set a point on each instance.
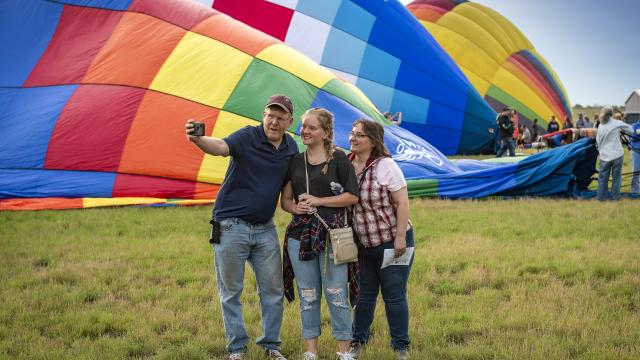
(198, 129)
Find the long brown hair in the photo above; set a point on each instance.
(325, 117)
(375, 132)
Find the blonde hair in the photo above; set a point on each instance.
(325, 118)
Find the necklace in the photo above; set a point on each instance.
(316, 159)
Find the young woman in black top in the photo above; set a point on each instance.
(332, 188)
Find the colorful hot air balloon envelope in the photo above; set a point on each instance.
(379, 46)
(94, 95)
(497, 58)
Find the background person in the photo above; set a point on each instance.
(568, 136)
(634, 147)
(308, 255)
(396, 119)
(581, 121)
(244, 210)
(535, 130)
(553, 125)
(611, 153)
(588, 124)
(505, 128)
(382, 222)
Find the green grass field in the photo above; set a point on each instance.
(494, 279)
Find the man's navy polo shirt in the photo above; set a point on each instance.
(256, 174)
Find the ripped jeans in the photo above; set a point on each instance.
(313, 279)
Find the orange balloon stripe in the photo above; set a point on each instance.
(51, 203)
(135, 52)
(156, 144)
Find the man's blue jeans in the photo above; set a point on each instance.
(507, 144)
(258, 244)
(314, 277)
(613, 168)
(392, 282)
(635, 166)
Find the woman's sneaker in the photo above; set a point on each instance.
(355, 350)
(402, 354)
(345, 356)
(274, 354)
(236, 355)
(309, 356)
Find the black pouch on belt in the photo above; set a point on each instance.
(214, 237)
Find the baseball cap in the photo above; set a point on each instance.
(282, 101)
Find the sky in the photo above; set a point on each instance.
(593, 45)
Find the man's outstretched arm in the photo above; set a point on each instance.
(209, 145)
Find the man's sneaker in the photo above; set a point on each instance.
(236, 355)
(309, 356)
(274, 354)
(355, 350)
(402, 354)
(345, 356)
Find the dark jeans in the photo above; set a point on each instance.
(507, 144)
(392, 282)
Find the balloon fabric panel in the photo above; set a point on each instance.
(295, 63)
(133, 149)
(105, 4)
(27, 119)
(234, 34)
(50, 203)
(132, 56)
(202, 69)
(263, 79)
(90, 133)
(24, 42)
(66, 62)
(498, 59)
(153, 147)
(379, 47)
(185, 14)
(278, 17)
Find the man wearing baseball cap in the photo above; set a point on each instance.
(243, 213)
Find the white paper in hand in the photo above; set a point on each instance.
(388, 259)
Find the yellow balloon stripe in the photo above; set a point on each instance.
(525, 79)
(296, 63)
(465, 53)
(202, 69)
(120, 201)
(512, 85)
(473, 33)
(481, 85)
(516, 38)
(500, 36)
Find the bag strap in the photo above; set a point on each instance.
(306, 177)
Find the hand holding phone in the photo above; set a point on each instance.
(197, 129)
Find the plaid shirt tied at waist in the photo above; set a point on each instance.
(313, 238)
